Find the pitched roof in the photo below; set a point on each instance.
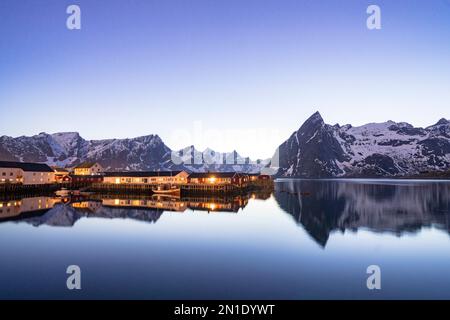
(87, 164)
(142, 174)
(26, 166)
(215, 174)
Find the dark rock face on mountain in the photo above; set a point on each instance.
(142, 153)
(312, 151)
(319, 150)
(69, 149)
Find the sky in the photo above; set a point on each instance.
(226, 74)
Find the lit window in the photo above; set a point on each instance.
(212, 179)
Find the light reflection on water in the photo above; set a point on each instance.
(309, 239)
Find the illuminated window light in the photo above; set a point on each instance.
(212, 180)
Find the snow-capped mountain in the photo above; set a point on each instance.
(319, 150)
(316, 150)
(69, 149)
(142, 153)
(209, 160)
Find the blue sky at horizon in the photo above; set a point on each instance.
(246, 72)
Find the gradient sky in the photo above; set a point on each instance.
(228, 74)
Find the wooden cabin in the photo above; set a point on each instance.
(88, 169)
(218, 178)
(146, 177)
(86, 179)
(257, 177)
(61, 175)
(25, 173)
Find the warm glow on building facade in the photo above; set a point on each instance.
(25, 173)
(88, 169)
(146, 177)
(218, 178)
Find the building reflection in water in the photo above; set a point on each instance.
(66, 211)
(12, 209)
(318, 206)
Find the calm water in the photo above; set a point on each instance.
(308, 239)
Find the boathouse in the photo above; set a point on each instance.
(62, 175)
(26, 173)
(146, 177)
(88, 169)
(218, 178)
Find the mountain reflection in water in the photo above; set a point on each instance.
(319, 206)
(322, 206)
(64, 212)
(288, 245)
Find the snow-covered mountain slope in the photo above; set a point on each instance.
(209, 160)
(68, 149)
(319, 150)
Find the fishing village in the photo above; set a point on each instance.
(90, 176)
(30, 189)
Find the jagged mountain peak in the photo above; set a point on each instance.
(315, 117)
(319, 150)
(67, 149)
(442, 121)
(148, 137)
(66, 133)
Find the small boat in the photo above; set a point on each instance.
(165, 196)
(63, 192)
(162, 190)
(167, 189)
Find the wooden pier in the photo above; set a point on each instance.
(145, 189)
(183, 188)
(122, 188)
(211, 188)
(15, 188)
